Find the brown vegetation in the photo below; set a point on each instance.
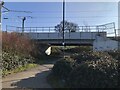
(16, 43)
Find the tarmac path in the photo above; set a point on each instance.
(33, 78)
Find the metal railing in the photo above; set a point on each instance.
(109, 28)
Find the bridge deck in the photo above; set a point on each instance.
(72, 38)
(71, 35)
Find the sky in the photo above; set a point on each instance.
(49, 14)
(61, 0)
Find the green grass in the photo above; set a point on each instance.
(19, 69)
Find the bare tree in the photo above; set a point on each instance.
(69, 27)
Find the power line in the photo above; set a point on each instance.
(72, 11)
(48, 17)
(9, 10)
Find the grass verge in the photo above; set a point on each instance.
(19, 69)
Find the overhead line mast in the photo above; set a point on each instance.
(63, 25)
(63, 21)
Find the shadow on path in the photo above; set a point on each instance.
(38, 81)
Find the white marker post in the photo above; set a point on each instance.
(48, 51)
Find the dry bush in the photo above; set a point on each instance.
(0, 37)
(16, 51)
(0, 41)
(16, 43)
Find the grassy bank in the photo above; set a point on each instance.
(19, 53)
(19, 69)
(16, 53)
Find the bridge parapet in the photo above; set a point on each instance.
(58, 36)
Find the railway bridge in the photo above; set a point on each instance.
(96, 36)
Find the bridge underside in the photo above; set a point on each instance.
(68, 42)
